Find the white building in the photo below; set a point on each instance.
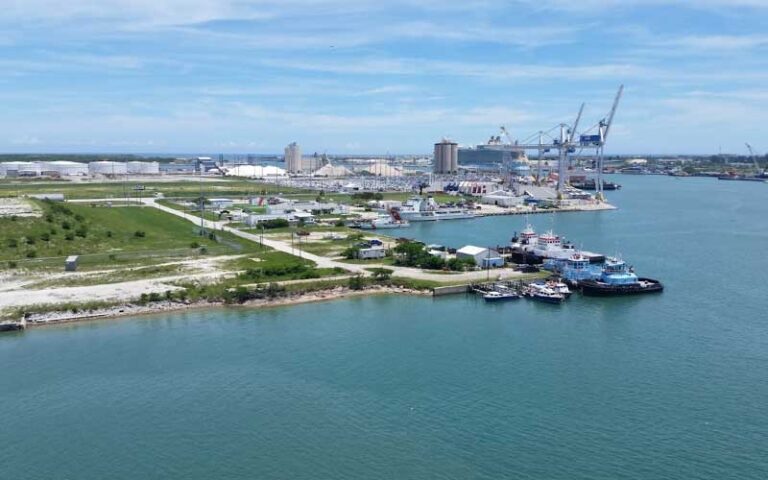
(219, 203)
(482, 256)
(446, 157)
(502, 198)
(373, 252)
(19, 169)
(105, 167)
(293, 158)
(254, 171)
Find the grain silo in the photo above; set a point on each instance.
(446, 157)
(293, 158)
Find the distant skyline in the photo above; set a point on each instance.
(373, 77)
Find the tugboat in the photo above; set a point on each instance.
(618, 279)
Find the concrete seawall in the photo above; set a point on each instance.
(449, 290)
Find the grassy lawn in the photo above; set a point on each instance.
(195, 211)
(106, 236)
(119, 189)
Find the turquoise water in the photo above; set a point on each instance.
(668, 386)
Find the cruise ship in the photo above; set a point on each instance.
(418, 209)
(496, 153)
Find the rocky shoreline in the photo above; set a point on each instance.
(132, 309)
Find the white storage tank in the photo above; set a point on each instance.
(105, 167)
(19, 169)
(143, 168)
(63, 168)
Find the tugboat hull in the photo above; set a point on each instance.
(595, 288)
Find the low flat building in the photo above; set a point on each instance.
(483, 257)
(373, 252)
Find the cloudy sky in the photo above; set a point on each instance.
(377, 76)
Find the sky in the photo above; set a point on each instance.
(375, 77)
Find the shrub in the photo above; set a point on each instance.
(339, 223)
(66, 225)
(53, 231)
(14, 218)
(155, 297)
(109, 234)
(11, 243)
(194, 245)
(79, 218)
(356, 282)
(31, 254)
(112, 257)
(139, 234)
(12, 264)
(81, 232)
(30, 240)
(203, 250)
(69, 236)
(382, 274)
(274, 223)
(46, 237)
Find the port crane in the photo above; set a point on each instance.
(754, 160)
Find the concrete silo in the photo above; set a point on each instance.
(293, 158)
(446, 157)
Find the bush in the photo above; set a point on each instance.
(12, 264)
(81, 232)
(46, 237)
(274, 223)
(30, 240)
(79, 218)
(357, 282)
(31, 254)
(69, 236)
(194, 245)
(112, 257)
(351, 253)
(382, 274)
(11, 243)
(139, 234)
(339, 223)
(109, 233)
(53, 231)
(66, 225)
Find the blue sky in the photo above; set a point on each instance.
(377, 76)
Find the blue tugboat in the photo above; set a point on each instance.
(618, 279)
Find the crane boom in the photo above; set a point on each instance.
(576, 124)
(613, 112)
(752, 156)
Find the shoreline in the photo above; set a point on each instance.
(62, 317)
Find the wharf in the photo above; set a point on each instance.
(492, 210)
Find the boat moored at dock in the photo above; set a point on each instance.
(618, 279)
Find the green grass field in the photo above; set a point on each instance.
(120, 190)
(106, 235)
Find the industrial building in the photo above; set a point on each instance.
(446, 157)
(19, 169)
(293, 158)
